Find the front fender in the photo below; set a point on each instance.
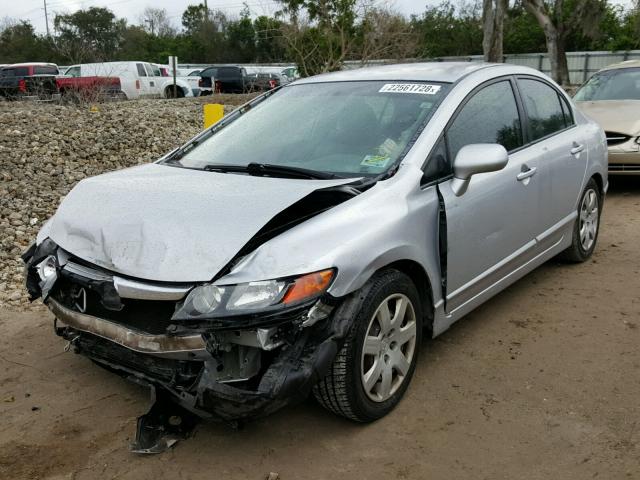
(393, 221)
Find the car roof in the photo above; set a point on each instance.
(627, 64)
(447, 72)
(32, 64)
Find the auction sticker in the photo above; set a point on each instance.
(378, 161)
(421, 88)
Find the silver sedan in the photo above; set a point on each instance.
(309, 240)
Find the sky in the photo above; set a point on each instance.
(33, 11)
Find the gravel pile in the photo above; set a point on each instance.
(46, 149)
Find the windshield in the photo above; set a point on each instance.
(344, 128)
(620, 84)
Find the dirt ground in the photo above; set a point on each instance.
(542, 382)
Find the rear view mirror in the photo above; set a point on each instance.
(476, 158)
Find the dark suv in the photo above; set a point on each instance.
(225, 79)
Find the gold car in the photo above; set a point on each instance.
(612, 98)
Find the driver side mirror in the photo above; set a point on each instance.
(476, 158)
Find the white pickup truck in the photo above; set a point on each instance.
(182, 79)
(138, 79)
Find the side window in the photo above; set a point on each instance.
(543, 107)
(141, 71)
(73, 72)
(157, 72)
(490, 116)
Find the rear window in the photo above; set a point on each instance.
(228, 72)
(45, 70)
(16, 72)
(209, 72)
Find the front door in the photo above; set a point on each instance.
(492, 226)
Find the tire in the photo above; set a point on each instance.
(169, 92)
(582, 246)
(343, 389)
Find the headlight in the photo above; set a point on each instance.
(219, 300)
(47, 268)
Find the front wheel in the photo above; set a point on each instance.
(373, 369)
(587, 225)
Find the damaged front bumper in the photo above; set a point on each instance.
(228, 369)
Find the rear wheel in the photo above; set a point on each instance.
(374, 367)
(169, 93)
(587, 225)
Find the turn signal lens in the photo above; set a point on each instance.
(308, 286)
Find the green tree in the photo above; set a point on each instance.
(241, 39)
(447, 30)
(320, 34)
(19, 43)
(94, 34)
(270, 44)
(522, 33)
(561, 20)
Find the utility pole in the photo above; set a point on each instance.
(151, 24)
(46, 17)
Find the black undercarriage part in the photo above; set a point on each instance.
(163, 425)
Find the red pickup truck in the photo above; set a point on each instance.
(43, 81)
(89, 88)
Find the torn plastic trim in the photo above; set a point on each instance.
(163, 425)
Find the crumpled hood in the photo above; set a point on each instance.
(619, 116)
(170, 224)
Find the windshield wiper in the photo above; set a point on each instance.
(269, 170)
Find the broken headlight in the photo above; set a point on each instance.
(220, 300)
(47, 268)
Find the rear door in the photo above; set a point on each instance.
(491, 227)
(552, 130)
(154, 78)
(144, 81)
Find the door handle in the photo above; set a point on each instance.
(577, 148)
(530, 172)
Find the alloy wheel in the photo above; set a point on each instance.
(589, 219)
(389, 347)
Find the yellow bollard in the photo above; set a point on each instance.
(213, 113)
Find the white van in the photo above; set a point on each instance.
(137, 79)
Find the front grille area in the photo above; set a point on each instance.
(614, 138)
(177, 373)
(145, 316)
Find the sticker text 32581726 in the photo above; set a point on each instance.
(421, 88)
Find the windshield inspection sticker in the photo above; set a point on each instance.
(420, 88)
(379, 161)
